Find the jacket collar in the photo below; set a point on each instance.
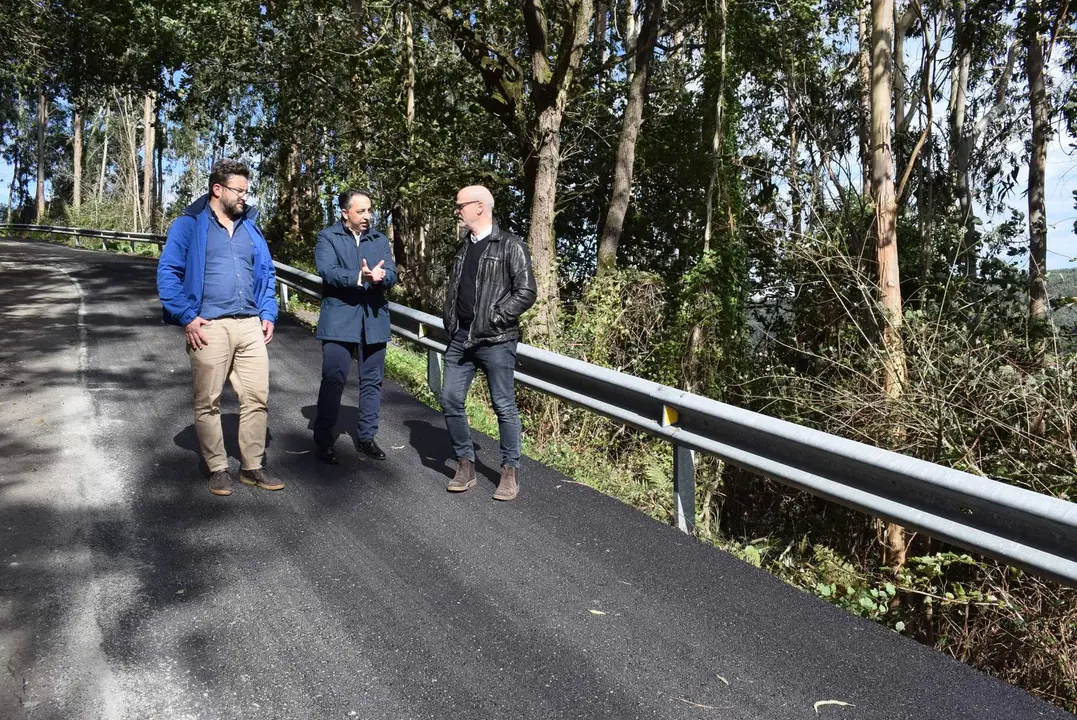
(201, 205)
(494, 236)
(341, 229)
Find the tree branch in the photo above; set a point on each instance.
(1000, 96)
(925, 94)
(501, 74)
(1059, 20)
(537, 29)
(572, 44)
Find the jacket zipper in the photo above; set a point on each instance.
(484, 252)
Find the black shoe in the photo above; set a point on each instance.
(370, 449)
(327, 456)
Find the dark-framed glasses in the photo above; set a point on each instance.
(239, 193)
(460, 206)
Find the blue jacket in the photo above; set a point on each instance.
(181, 271)
(351, 312)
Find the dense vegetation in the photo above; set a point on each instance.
(780, 205)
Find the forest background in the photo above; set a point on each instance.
(832, 212)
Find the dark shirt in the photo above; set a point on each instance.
(229, 285)
(465, 297)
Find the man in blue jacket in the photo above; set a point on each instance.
(357, 269)
(216, 279)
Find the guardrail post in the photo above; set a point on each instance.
(132, 247)
(283, 295)
(103, 245)
(77, 244)
(433, 372)
(684, 488)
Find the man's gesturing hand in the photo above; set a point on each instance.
(376, 275)
(267, 330)
(193, 330)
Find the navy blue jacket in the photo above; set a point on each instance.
(352, 312)
(181, 271)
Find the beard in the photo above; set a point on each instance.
(234, 208)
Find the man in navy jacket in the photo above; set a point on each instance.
(357, 269)
(215, 278)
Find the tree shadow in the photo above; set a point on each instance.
(187, 439)
(435, 451)
(347, 422)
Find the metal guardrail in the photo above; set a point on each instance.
(1016, 526)
(80, 234)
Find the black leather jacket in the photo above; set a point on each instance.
(504, 289)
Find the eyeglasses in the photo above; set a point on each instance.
(460, 206)
(239, 193)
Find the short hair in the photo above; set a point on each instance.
(224, 169)
(344, 200)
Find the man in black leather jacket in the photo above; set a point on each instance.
(490, 285)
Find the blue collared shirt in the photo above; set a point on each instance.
(229, 286)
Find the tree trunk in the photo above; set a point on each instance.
(796, 202)
(882, 183)
(719, 121)
(601, 28)
(14, 178)
(926, 210)
(631, 37)
(899, 80)
(159, 175)
(902, 23)
(541, 236)
(537, 134)
(626, 149)
(1037, 167)
(104, 158)
(549, 90)
(76, 171)
(42, 122)
(130, 129)
(960, 151)
(404, 241)
(149, 132)
(293, 190)
(409, 59)
(864, 75)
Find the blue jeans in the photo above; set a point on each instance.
(336, 363)
(497, 362)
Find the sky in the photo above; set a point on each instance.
(1060, 186)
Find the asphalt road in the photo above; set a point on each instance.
(127, 590)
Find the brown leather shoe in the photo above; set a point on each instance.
(465, 476)
(508, 487)
(260, 478)
(220, 483)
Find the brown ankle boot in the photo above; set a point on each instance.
(465, 476)
(509, 486)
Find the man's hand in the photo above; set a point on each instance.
(193, 330)
(376, 275)
(267, 330)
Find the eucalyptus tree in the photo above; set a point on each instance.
(527, 63)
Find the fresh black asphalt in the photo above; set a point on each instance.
(365, 590)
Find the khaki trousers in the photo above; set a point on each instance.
(235, 351)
